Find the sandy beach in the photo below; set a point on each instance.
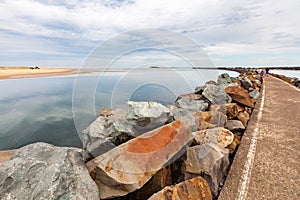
(23, 72)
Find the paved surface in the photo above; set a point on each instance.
(267, 163)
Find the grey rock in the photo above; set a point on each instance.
(105, 133)
(182, 114)
(147, 115)
(191, 104)
(200, 89)
(245, 83)
(216, 95)
(209, 159)
(224, 80)
(254, 94)
(43, 171)
(234, 125)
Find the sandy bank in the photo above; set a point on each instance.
(23, 72)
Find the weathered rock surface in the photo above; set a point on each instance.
(210, 119)
(240, 95)
(235, 143)
(230, 109)
(200, 89)
(191, 96)
(254, 94)
(6, 155)
(216, 95)
(224, 80)
(245, 83)
(43, 171)
(220, 136)
(129, 166)
(190, 104)
(147, 114)
(243, 117)
(160, 180)
(180, 114)
(210, 159)
(105, 133)
(234, 125)
(192, 189)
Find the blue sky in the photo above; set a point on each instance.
(63, 33)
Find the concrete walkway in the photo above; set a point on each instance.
(267, 163)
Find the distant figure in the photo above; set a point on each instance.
(267, 71)
(262, 74)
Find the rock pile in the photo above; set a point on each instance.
(152, 151)
(291, 80)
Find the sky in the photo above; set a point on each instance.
(50, 33)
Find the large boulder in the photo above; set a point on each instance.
(200, 89)
(209, 119)
(220, 136)
(240, 95)
(224, 80)
(191, 104)
(147, 115)
(129, 166)
(180, 114)
(105, 133)
(192, 189)
(210, 159)
(254, 94)
(230, 109)
(246, 83)
(43, 171)
(216, 95)
(6, 155)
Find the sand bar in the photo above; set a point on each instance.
(26, 72)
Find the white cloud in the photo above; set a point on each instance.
(225, 28)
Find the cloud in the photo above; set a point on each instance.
(70, 29)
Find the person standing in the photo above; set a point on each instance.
(267, 71)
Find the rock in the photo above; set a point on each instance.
(254, 94)
(224, 80)
(180, 114)
(211, 82)
(240, 95)
(106, 112)
(210, 119)
(234, 125)
(236, 142)
(230, 109)
(43, 171)
(191, 96)
(219, 136)
(240, 108)
(6, 155)
(105, 133)
(191, 104)
(216, 95)
(200, 89)
(129, 166)
(210, 159)
(192, 189)
(160, 180)
(243, 117)
(147, 114)
(246, 83)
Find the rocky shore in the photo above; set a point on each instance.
(291, 80)
(151, 151)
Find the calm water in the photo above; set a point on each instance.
(44, 109)
(288, 73)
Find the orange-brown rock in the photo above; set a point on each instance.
(240, 108)
(192, 189)
(240, 95)
(230, 109)
(210, 119)
(160, 180)
(6, 155)
(236, 142)
(243, 117)
(129, 166)
(220, 136)
(191, 96)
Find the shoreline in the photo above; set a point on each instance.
(18, 72)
